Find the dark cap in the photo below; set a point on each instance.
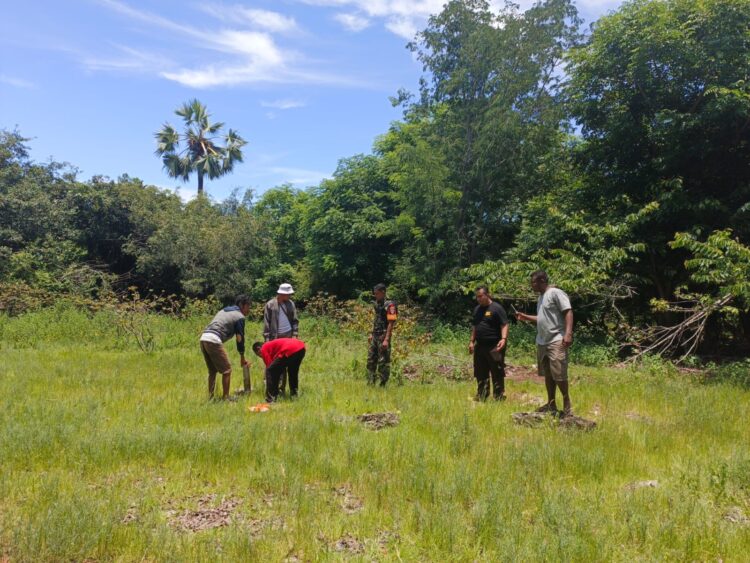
(379, 287)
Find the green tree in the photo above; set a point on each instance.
(282, 211)
(197, 149)
(115, 218)
(205, 252)
(661, 90)
(491, 94)
(349, 228)
(427, 208)
(39, 242)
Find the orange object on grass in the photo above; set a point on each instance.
(260, 407)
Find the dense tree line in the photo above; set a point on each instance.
(618, 159)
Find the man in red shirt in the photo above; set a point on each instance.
(278, 355)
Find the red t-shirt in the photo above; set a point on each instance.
(280, 348)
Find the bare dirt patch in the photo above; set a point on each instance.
(208, 515)
(379, 420)
(412, 372)
(348, 544)
(735, 515)
(386, 538)
(522, 373)
(537, 419)
(574, 422)
(131, 515)
(350, 503)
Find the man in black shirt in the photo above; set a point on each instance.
(489, 335)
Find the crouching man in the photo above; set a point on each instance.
(227, 323)
(282, 354)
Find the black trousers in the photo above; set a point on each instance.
(289, 364)
(485, 366)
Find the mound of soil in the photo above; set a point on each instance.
(348, 544)
(350, 503)
(530, 419)
(577, 423)
(206, 516)
(535, 419)
(379, 420)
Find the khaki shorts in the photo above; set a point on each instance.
(552, 361)
(216, 358)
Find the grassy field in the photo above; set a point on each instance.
(109, 453)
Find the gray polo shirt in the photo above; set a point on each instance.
(550, 316)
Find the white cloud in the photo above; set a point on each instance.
(403, 27)
(406, 17)
(186, 194)
(386, 8)
(255, 57)
(299, 176)
(129, 59)
(259, 47)
(284, 104)
(352, 22)
(16, 82)
(149, 18)
(251, 73)
(273, 22)
(402, 17)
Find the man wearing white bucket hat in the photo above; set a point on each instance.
(280, 320)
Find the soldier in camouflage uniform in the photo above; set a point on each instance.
(379, 354)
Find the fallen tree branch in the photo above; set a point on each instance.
(684, 336)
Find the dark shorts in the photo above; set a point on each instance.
(216, 358)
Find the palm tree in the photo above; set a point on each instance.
(201, 153)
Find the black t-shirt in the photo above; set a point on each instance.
(488, 321)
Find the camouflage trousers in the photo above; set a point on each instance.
(378, 361)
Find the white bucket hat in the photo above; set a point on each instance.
(285, 289)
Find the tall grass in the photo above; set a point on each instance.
(104, 447)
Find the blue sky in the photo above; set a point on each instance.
(305, 82)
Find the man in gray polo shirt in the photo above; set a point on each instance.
(554, 335)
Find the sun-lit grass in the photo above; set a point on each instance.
(104, 448)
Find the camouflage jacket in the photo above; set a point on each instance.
(384, 313)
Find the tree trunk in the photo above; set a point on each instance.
(200, 184)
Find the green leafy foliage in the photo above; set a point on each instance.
(348, 228)
(619, 162)
(721, 264)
